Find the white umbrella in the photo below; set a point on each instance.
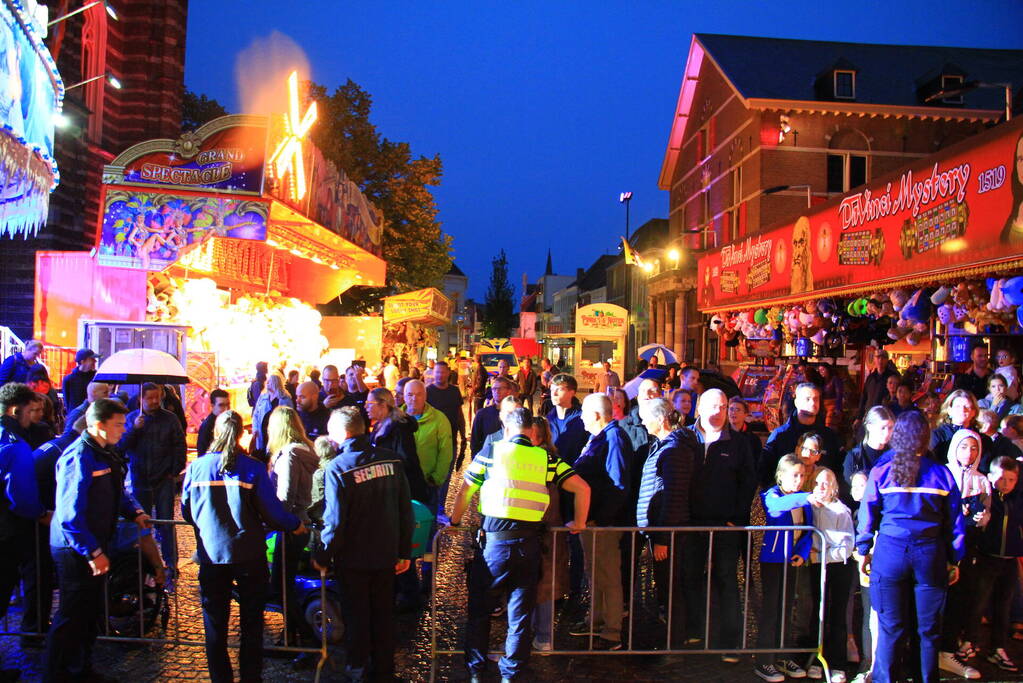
(135, 366)
(650, 350)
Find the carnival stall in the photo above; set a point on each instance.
(600, 335)
(926, 261)
(236, 230)
(411, 321)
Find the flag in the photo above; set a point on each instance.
(631, 256)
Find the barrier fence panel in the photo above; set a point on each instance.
(141, 603)
(648, 613)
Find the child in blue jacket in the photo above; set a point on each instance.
(785, 504)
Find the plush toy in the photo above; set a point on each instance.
(1012, 291)
(898, 298)
(940, 295)
(716, 324)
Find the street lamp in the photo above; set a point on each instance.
(782, 188)
(974, 85)
(625, 198)
(114, 82)
(106, 5)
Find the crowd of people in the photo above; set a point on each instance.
(918, 523)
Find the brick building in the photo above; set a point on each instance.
(144, 50)
(764, 126)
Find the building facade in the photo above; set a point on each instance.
(766, 127)
(450, 337)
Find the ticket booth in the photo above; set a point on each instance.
(600, 333)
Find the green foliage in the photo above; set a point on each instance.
(498, 306)
(417, 252)
(198, 109)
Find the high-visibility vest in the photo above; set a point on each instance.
(516, 484)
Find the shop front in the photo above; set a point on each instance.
(925, 261)
(600, 334)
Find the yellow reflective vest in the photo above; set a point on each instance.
(516, 484)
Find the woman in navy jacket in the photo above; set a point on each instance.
(227, 496)
(913, 506)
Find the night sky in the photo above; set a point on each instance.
(543, 112)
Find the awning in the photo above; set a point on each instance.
(525, 348)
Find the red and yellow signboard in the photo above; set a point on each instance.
(961, 208)
(427, 306)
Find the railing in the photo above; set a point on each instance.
(557, 536)
(152, 601)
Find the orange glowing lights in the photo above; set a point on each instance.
(288, 155)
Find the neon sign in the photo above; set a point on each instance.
(288, 155)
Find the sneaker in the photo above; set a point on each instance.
(607, 645)
(966, 650)
(947, 661)
(730, 659)
(1002, 661)
(815, 672)
(542, 647)
(582, 628)
(791, 669)
(837, 676)
(864, 677)
(769, 673)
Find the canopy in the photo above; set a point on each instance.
(525, 348)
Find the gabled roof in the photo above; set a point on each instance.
(455, 270)
(767, 71)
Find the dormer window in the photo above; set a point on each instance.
(951, 82)
(845, 84)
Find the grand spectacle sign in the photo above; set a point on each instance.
(427, 306)
(960, 208)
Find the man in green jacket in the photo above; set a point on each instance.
(433, 445)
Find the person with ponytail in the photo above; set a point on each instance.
(910, 538)
(228, 497)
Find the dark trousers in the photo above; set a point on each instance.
(997, 588)
(576, 562)
(724, 584)
(837, 588)
(670, 580)
(866, 636)
(75, 626)
(215, 584)
(287, 552)
(157, 501)
(368, 603)
(775, 580)
(38, 580)
(509, 567)
(959, 599)
(902, 568)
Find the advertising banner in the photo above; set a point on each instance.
(202, 370)
(601, 319)
(227, 154)
(150, 231)
(426, 306)
(962, 207)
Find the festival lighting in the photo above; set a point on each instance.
(288, 155)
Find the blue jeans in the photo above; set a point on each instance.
(215, 584)
(542, 620)
(901, 567)
(512, 567)
(161, 497)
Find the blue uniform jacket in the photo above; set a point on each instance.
(20, 501)
(569, 435)
(930, 509)
(14, 369)
(604, 464)
(228, 509)
(90, 497)
(778, 507)
(45, 459)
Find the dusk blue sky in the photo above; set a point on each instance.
(543, 112)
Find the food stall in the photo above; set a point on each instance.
(926, 260)
(236, 231)
(411, 321)
(600, 335)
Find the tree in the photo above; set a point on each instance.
(497, 316)
(198, 109)
(417, 252)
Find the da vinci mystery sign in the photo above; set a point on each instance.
(959, 208)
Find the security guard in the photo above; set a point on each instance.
(90, 497)
(512, 481)
(367, 532)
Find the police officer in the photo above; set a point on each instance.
(512, 481)
(910, 539)
(227, 496)
(90, 496)
(367, 534)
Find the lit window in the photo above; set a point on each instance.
(845, 85)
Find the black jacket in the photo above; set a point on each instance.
(860, 458)
(782, 441)
(724, 479)
(74, 387)
(665, 485)
(941, 437)
(156, 451)
(367, 521)
(315, 421)
(486, 422)
(205, 436)
(875, 390)
(400, 436)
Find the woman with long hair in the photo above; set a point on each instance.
(619, 403)
(227, 496)
(877, 432)
(959, 411)
(292, 463)
(997, 398)
(912, 505)
(274, 394)
(684, 403)
(391, 428)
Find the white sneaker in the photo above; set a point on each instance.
(948, 661)
(837, 676)
(863, 678)
(790, 668)
(769, 673)
(815, 672)
(542, 647)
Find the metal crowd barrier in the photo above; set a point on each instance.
(173, 636)
(558, 546)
